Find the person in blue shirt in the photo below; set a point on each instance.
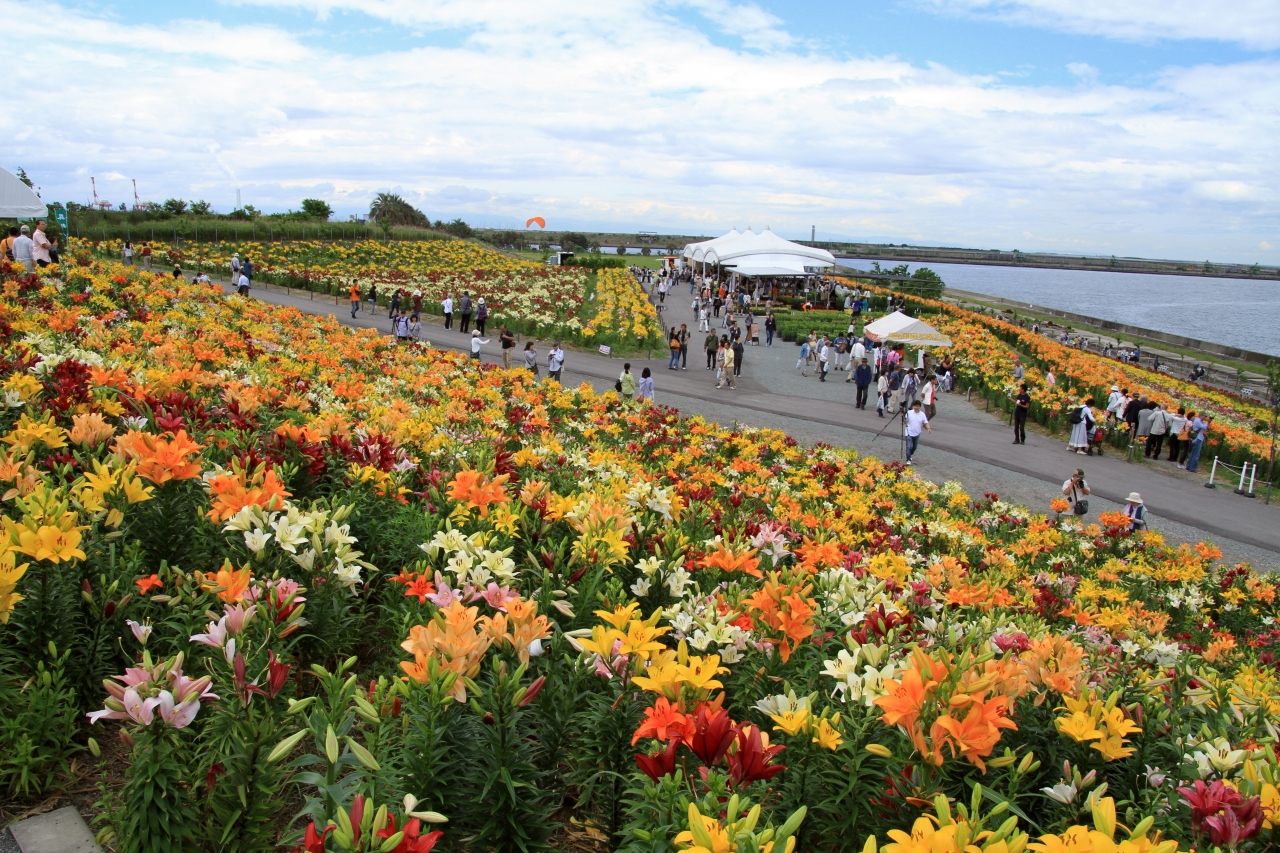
(1198, 429)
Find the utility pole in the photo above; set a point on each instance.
(813, 232)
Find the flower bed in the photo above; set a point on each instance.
(316, 591)
(986, 347)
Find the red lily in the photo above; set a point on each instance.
(277, 674)
(313, 842)
(412, 841)
(1235, 824)
(662, 764)
(751, 761)
(357, 816)
(712, 736)
(1208, 800)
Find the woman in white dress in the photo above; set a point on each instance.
(1081, 431)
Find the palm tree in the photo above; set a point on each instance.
(393, 209)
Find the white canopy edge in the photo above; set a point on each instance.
(19, 201)
(900, 328)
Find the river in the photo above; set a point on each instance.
(1237, 312)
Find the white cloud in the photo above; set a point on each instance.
(621, 112)
(1252, 23)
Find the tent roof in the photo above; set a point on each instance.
(17, 200)
(746, 250)
(906, 330)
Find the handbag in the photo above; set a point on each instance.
(1185, 434)
(617, 386)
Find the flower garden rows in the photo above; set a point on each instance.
(533, 299)
(985, 349)
(295, 587)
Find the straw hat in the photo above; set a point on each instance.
(1134, 498)
(1115, 387)
(475, 333)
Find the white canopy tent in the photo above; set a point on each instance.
(749, 253)
(19, 201)
(900, 328)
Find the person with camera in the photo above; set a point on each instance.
(1075, 489)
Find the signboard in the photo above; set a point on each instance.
(605, 349)
(60, 213)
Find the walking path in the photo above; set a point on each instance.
(966, 443)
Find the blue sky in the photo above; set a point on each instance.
(1130, 128)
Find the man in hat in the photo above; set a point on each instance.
(1137, 512)
(1115, 402)
(916, 422)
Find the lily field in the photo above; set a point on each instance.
(270, 583)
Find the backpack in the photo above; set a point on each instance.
(1077, 416)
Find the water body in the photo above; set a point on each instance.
(1237, 312)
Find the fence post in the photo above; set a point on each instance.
(1213, 472)
(1243, 471)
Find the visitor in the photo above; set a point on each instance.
(1049, 379)
(246, 268)
(146, 256)
(644, 389)
(1157, 428)
(394, 311)
(882, 392)
(1082, 428)
(704, 325)
(726, 364)
(1116, 404)
(1021, 408)
(824, 359)
(1198, 429)
(40, 246)
(482, 314)
(711, 345)
(508, 341)
(22, 248)
(895, 390)
(476, 343)
(929, 396)
(862, 381)
(177, 272)
(626, 385)
(446, 307)
(857, 352)
(530, 357)
(464, 308)
(770, 326)
(738, 352)
(415, 328)
(242, 284)
(916, 421)
(235, 266)
(402, 329)
(1019, 373)
(126, 253)
(683, 337)
(673, 344)
(910, 389)
(555, 361)
(1132, 414)
(1144, 421)
(1179, 442)
(803, 361)
(1076, 489)
(417, 304)
(6, 244)
(1137, 512)
(353, 293)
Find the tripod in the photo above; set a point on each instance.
(902, 431)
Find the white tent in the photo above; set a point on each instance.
(752, 254)
(902, 329)
(19, 201)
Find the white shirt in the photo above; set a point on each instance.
(447, 305)
(40, 247)
(927, 396)
(859, 351)
(243, 281)
(555, 359)
(22, 248)
(916, 422)
(475, 344)
(235, 265)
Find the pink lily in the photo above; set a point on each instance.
(140, 632)
(139, 709)
(179, 716)
(238, 616)
(216, 634)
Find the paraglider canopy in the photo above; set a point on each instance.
(542, 223)
(19, 201)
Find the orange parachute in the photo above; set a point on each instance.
(542, 223)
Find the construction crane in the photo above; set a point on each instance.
(139, 204)
(98, 203)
